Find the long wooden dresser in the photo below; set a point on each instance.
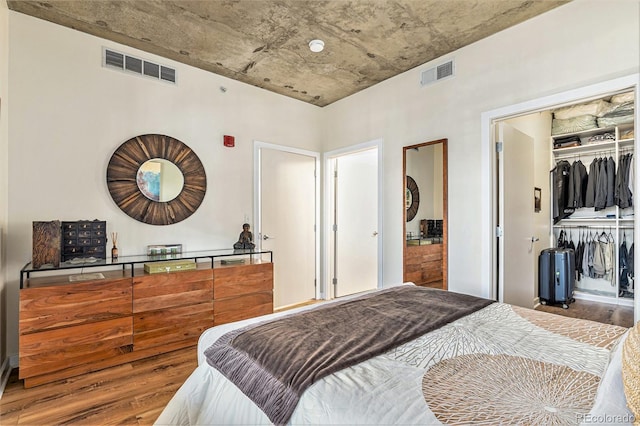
(71, 324)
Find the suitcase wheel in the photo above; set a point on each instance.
(565, 306)
(543, 302)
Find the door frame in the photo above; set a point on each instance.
(489, 269)
(258, 146)
(327, 158)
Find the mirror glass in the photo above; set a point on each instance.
(424, 198)
(159, 180)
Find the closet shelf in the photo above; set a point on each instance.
(598, 146)
(586, 133)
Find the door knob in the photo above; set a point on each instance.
(375, 233)
(265, 237)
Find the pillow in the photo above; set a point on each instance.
(622, 97)
(631, 371)
(572, 125)
(597, 108)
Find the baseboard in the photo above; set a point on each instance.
(536, 302)
(6, 372)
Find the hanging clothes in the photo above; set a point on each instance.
(578, 257)
(622, 191)
(560, 177)
(577, 185)
(611, 178)
(609, 259)
(590, 193)
(623, 262)
(601, 185)
(589, 256)
(631, 178)
(630, 265)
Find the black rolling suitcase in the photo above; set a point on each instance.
(556, 276)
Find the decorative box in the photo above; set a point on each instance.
(83, 239)
(170, 266)
(46, 244)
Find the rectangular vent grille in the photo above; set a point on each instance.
(133, 64)
(168, 74)
(122, 62)
(437, 73)
(151, 69)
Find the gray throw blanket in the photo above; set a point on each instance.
(274, 362)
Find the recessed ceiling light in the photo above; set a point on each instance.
(316, 45)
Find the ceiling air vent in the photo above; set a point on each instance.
(131, 64)
(437, 73)
(168, 74)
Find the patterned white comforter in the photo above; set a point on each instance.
(502, 364)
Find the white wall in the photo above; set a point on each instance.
(69, 114)
(568, 47)
(4, 73)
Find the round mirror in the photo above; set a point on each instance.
(156, 179)
(412, 198)
(160, 180)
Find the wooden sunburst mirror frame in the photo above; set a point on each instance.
(123, 187)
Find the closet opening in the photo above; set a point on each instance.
(586, 134)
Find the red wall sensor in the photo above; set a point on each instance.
(229, 141)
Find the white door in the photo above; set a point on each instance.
(516, 257)
(287, 221)
(356, 222)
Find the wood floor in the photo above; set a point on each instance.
(129, 394)
(136, 393)
(600, 312)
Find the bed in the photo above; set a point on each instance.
(495, 364)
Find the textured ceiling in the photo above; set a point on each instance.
(265, 43)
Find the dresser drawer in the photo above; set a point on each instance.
(84, 226)
(242, 307)
(95, 251)
(161, 291)
(168, 326)
(44, 308)
(243, 279)
(69, 226)
(55, 350)
(84, 241)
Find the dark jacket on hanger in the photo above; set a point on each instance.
(622, 192)
(601, 185)
(560, 177)
(577, 184)
(611, 180)
(590, 195)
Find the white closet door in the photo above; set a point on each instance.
(356, 219)
(287, 219)
(516, 255)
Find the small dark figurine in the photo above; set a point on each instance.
(245, 240)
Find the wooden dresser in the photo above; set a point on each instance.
(71, 328)
(424, 264)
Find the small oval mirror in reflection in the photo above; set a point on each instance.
(160, 180)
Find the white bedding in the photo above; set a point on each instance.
(387, 389)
